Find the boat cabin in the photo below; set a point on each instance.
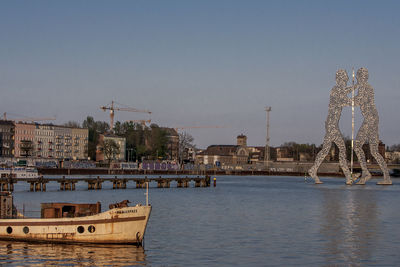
(69, 210)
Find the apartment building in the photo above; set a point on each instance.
(24, 139)
(45, 141)
(79, 143)
(6, 139)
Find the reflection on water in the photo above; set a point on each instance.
(21, 253)
(349, 225)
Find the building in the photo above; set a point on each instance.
(229, 155)
(24, 139)
(79, 143)
(7, 132)
(172, 152)
(43, 141)
(120, 141)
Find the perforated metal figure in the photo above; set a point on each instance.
(338, 100)
(368, 131)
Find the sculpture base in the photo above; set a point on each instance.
(384, 183)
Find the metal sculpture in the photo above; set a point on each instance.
(338, 100)
(368, 131)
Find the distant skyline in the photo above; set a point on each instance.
(200, 63)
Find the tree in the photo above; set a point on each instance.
(110, 149)
(156, 138)
(185, 144)
(72, 124)
(395, 147)
(95, 128)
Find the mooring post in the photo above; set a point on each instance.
(32, 188)
(179, 183)
(44, 186)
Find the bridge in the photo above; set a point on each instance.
(69, 184)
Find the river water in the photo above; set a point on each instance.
(244, 221)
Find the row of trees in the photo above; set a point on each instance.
(312, 150)
(141, 141)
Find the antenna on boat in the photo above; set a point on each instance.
(147, 193)
(352, 126)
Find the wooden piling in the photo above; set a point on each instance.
(38, 187)
(180, 183)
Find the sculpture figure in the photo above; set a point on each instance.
(368, 131)
(338, 100)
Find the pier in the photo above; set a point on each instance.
(69, 184)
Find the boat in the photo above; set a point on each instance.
(75, 223)
(20, 172)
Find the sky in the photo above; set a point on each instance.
(200, 63)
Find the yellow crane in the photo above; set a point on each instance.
(31, 119)
(112, 107)
(198, 127)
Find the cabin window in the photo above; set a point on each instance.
(91, 229)
(9, 230)
(81, 229)
(26, 229)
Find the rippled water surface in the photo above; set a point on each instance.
(244, 221)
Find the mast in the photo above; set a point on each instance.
(352, 126)
(267, 149)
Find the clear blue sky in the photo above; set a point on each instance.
(195, 63)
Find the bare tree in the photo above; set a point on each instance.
(110, 150)
(185, 144)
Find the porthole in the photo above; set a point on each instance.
(81, 229)
(91, 229)
(26, 229)
(9, 230)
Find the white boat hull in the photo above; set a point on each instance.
(120, 225)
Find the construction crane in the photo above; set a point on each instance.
(112, 108)
(198, 127)
(31, 119)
